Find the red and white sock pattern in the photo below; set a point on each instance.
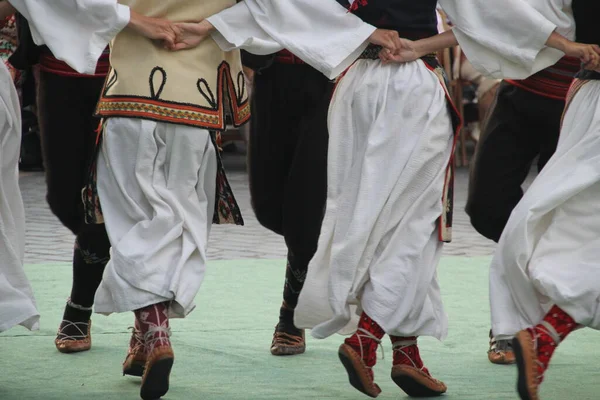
(555, 327)
(366, 339)
(154, 325)
(406, 352)
(137, 343)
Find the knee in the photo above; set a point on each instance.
(269, 216)
(94, 239)
(485, 222)
(70, 214)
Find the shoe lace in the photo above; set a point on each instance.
(287, 339)
(403, 344)
(500, 346)
(362, 333)
(151, 338)
(66, 324)
(137, 343)
(543, 328)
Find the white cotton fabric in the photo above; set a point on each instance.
(390, 143)
(549, 252)
(156, 183)
(506, 39)
(17, 304)
(322, 33)
(76, 31)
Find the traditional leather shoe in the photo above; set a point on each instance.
(501, 351)
(358, 354)
(74, 337)
(524, 345)
(155, 381)
(135, 361)
(287, 339)
(410, 374)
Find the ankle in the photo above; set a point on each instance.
(369, 325)
(76, 313)
(152, 317)
(366, 340)
(558, 323)
(286, 306)
(406, 351)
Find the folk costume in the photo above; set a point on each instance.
(389, 182)
(158, 176)
(17, 304)
(66, 103)
(545, 275)
(287, 163)
(523, 125)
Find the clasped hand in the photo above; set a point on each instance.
(172, 35)
(186, 35)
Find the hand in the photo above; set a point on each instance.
(154, 28)
(386, 38)
(407, 52)
(191, 34)
(589, 54)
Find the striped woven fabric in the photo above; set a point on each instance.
(52, 65)
(553, 82)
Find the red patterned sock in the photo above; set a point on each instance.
(406, 352)
(136, 343)
(555, 327)
(366, 339)
(154, 325)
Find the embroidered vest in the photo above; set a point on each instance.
(203, 87)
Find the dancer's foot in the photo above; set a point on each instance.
(74, 332)
(287, 339)
(135, 361)
(534, 348)
(409, 373)
(501, 351)
(358, 354)
(529, 378)
(154, 325)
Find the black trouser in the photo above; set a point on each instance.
(66, 106)
(521, 126)
(288, 161)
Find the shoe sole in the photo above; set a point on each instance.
(287, 351)
(353, 366)
(156, 383)
(522, 354)
(416, 383)
(506, 359)
(72, 350)
(135, 369)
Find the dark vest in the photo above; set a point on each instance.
(413, 19)
(586, 14)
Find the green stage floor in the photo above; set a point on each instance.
(222, 350)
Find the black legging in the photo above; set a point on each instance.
(288, 161)
(65, 107)
(521, 127)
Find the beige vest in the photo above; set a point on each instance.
(199, 87)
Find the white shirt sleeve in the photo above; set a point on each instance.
(76, 31)
(502, 39)
(321, 32)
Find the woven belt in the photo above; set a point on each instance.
(49, 63)
(372, 53)
(285, 57)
